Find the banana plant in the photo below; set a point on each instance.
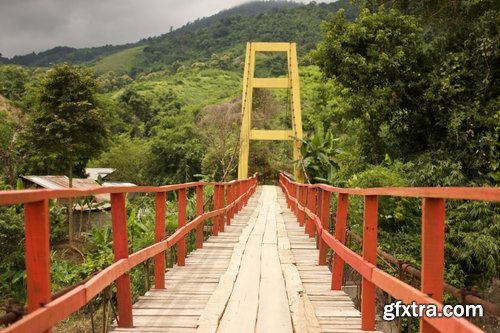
(318, 155)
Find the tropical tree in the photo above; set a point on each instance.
(416, 89)
(67, 124)
(318, 155)
(219, 127)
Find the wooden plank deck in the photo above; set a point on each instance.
(260, 275)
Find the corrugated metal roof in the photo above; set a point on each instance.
(50, 182)
(94, 173)
(118, 184)
(55, 182)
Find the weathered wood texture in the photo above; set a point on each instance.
(260, 275)
(189, 288)
(333, 309)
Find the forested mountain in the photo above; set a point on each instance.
(198, 40)
(63, 54)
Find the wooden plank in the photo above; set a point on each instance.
(216, 305)
(166, 321)
(243, 305)
(303, 316)
(302, 312)
(274, 312)
(241, 311)
(167, 312)
(188, 289)
(334, 310)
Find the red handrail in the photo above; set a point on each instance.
(43, 313)
(311, 205)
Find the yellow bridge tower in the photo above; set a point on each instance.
(291, 82)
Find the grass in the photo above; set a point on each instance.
(194, 88)
(119, 62)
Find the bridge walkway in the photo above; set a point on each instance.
(260, 275)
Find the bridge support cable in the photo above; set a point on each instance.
(250, 82)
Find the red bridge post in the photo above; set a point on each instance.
(340, 229)
(159, 259)
(433, 228)
(231, 196)
(222, 222)
(181, 221)
(311, 205)
(368, 289)
(199, 211)
(325, 223)
(215, 226)
(36, 224)
(120, 249)
(302, 201)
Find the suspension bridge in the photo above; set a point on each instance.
(275, 259)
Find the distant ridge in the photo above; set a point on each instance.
(199, 40)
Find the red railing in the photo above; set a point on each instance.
(43, 313)
(311, 205)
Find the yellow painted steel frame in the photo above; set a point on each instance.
(249, 83)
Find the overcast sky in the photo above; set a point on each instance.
(38, 25)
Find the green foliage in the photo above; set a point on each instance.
(63, 54)
(219, 126)
(58, 216)
(414, 90)
(129, 157)
(13, 272)
(111, 81)
(380, 58)
(135, 109)
(120, 62)
(13, 81)
(176, 152)
(417, 81)
(66, 113)
(473, 240)
(318, 155)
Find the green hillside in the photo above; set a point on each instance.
(226, 32)
(119, 62)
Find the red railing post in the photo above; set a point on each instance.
(368, 289)
(325, 222)
(37, 229)
(295, 195)
(433, 230)
(311, 205)
(302, 201)
(199, 211)
(229, 200)
(340, 229)
(245, 189)
(215, 227)
(289, 187)
(181, 221)
(240, 192)
(222, 221)
(120, 249)
(159, 259)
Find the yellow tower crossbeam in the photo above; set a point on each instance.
(250, 82)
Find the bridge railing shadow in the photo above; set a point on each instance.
(311, 204)
(43, 312)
